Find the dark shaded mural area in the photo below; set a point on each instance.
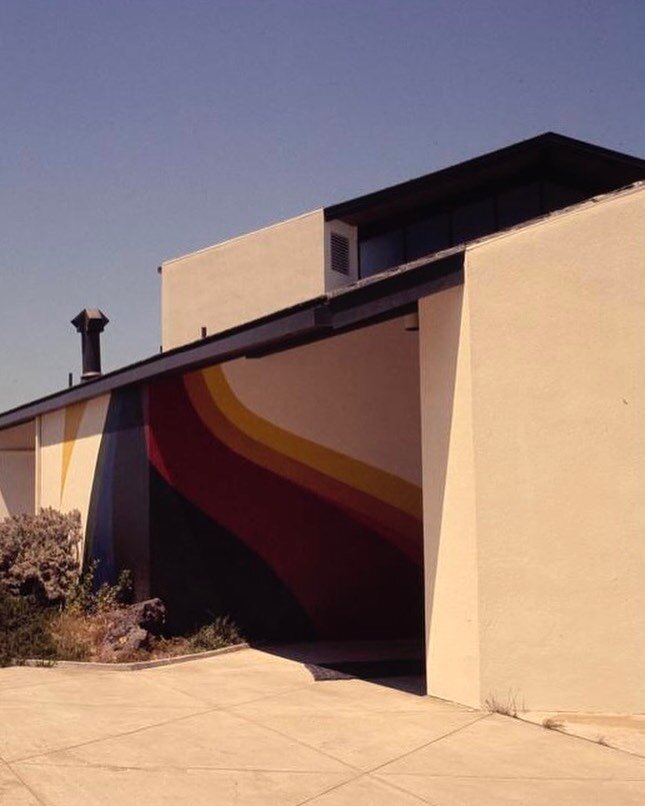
(201, 570)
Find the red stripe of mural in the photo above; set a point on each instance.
(316, 548)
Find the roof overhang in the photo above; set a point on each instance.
(589, 168)
(367, 302)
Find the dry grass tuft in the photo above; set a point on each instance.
(77, 635)
(508, 707)
(552, 724)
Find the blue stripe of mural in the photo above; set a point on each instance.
(118, 519)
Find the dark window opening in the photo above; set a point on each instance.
(436, 231)
(430, 235)
(382, 252)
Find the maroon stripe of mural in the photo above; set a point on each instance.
(349, 578)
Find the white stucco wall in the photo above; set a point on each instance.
(16, 482)
(17, 470)
(20, 437)
(551, 324)
(242, 279)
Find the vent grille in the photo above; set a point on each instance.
(339, 253)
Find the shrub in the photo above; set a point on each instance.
(82, 598)
(39, 555)
(24, 630)
(219, 633)
(79, 628)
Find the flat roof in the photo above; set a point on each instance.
(589, 168)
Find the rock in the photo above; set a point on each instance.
(130, 629)
(150, 614)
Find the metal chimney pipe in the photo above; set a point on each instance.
(90, 323)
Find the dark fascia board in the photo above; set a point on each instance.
(603, 169)
(360, 304)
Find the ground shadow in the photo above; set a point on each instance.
(398, 664)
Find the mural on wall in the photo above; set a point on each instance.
(117, 532)
(217, 510)
(70, 439)
(72, 419)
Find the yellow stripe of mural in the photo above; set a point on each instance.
(73, 417)
(377, 483)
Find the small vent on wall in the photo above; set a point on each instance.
(339, 253)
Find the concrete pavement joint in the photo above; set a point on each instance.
(168, 767)
(509, 777)
(358, 778)
(427, 744)
(242, 702)
(361, 772)
(328, 790)
(45, 683)
(297, 741)
(400, 789)
(25, 784)
(112, 736)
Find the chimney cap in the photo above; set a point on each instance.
(90, 320)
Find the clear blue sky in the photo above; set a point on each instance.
(132, 132)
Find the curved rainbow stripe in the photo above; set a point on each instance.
(385, 502)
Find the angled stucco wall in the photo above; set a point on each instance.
(450, 547)
(551, 324)
(242, 279)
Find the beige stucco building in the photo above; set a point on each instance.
(417, 413)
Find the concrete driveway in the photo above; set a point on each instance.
(255, 728)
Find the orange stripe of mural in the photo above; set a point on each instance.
(73, 417)
(378, 483)
(402, 528)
